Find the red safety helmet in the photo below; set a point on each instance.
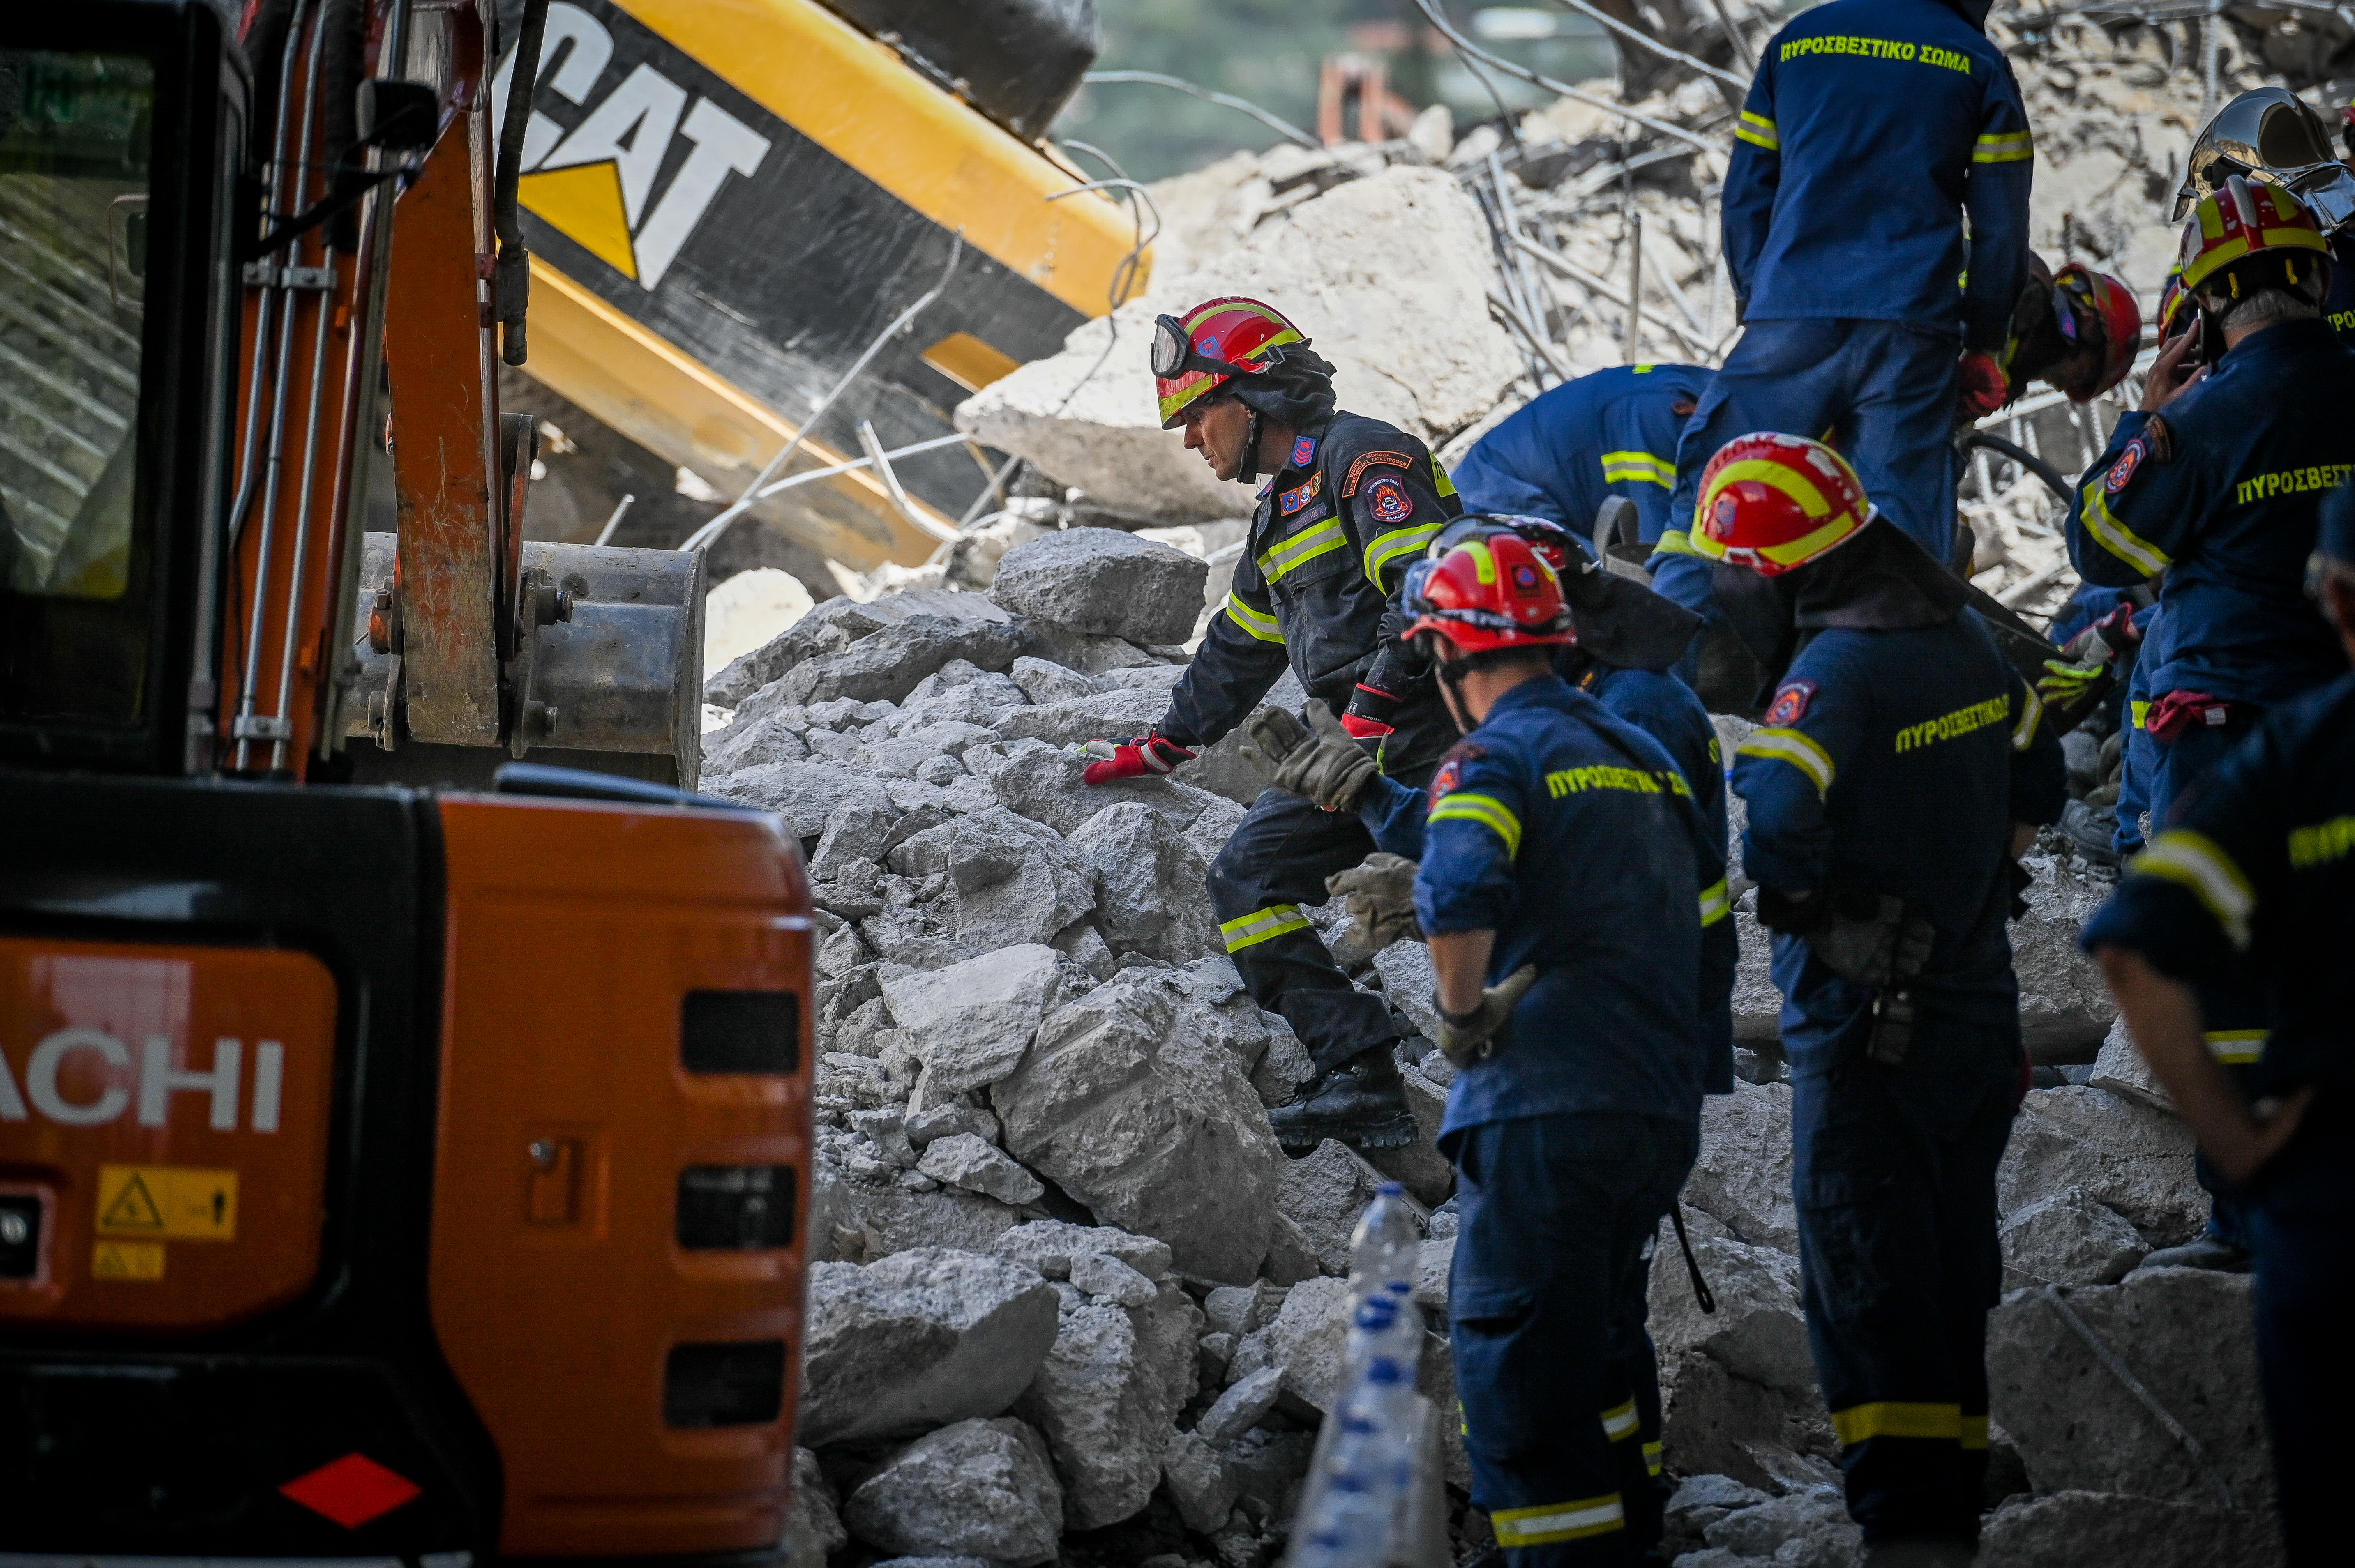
(1774, 502)
(2098, 310)
(2172, 301)
(1195, 354)
(2242, 229)
(1556, 546)
(1494, 591)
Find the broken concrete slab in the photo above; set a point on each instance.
(886, 665)
(918, 1339)
(1052, 1246)
(1151, 897)
(2064, 1008)
(1304, 1342)
(1102, 582)
(2127, 1157)
(964, 1160)
(1743, 1175)
(1199, 1481)
(814, 1528)
(2072, 1528)
(971, 1023)
(1324, 1192)
(1810, 1529)
(2066, 1238)
(1108, 1279)
(1106, 1396)
(1759, 1330)
(982, 1488)
(2120, 1070)
(1245, 1402)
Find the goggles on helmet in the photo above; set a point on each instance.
(1174, 354)
(1416, 596)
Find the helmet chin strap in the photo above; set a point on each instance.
(1247, 472)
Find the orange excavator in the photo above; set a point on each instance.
(388, 1174)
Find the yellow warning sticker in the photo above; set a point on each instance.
(178, 1202)
(127, 1260)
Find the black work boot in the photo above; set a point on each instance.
(1362, 1102)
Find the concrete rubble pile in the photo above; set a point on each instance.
(1075, 1306)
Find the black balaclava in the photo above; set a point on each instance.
(1880, 581)
(1624, 623)
(1293, 387)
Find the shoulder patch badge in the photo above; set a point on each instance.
(1790, 704)
(1451, 769)
(1303, 451)
(1293, 500)
(1385, 499)
(1370, 460)
(2129, 462)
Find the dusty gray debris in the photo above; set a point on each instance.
(1757, 1004)
(752, 743)
(1044, 683)
(1052, 1246)
(886, 666)
(1120, 714)
(963, 1159)
(828, 628)
(897, 1219)
(1816, 1517)
(2124, 1156)
(1419, 1167)
(2064, 1008)
(1742, 1176)
(2121, 1070)
(1700, 1501)
(1103, 582)
(1152, 898)
(1242, 1406)
(921, 1337)
(806, 794)
(812, 1520)
(2072, 1528)
(982, 1488)
(1304, 1342)
(1290, 1257)
(1324, 1192)
(1043, 783)
(1130, 1103)
(1196, 1477)
(885, 1125)
(2066, 1238)
(1106, 1397)
(1409, 984)
(1759, 1332)
(2187, 1334)
(971, 1023)
(1433, 1267)
(1108, 1279)
(1240, 1308)
(1716, 1422)
(947, 1120)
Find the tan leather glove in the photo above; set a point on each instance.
(1379, 896)
(1320, 760)
(1465, 1037)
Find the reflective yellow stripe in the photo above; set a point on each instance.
(1789, 746)
(1759, 131)
(2194, 860)
(1486, 810)
(1619, 1421)
(1890, 1418)
(1439, 480)
(1714, 904)
(1975, 1433)
(1674, 542)
(2004, 147)
(1388, 547)
(1262, 627)
(1652, 1460)
(2113, 535)
(2141, 713)
(1639, 466)
(1557, 1521)
(1259, 925)
(1301, 548)
(2023, 729)
(2236, 1047)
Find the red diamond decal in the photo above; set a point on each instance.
(351, 1490)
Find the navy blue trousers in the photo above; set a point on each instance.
(1894, 1179)
(1546, 1306)
(2302, 1218)
(1881, 392)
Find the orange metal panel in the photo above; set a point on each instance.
(575, 931)
(170, 1105)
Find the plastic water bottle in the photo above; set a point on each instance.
(1386, 1245)
(1387, 1325)
(1349, 1515)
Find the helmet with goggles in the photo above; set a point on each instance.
(1488, 590)
(1197, 353)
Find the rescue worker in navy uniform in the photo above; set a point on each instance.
(2214, 486)
(1352, 503)
(1901, 1017)
(1618, 643)
(2292, 148)
(1873, 127)
(2253, 873)
(1610, 433)
(1562, 864)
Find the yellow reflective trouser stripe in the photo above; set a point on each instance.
(2195, 861)
(1301, 548)
(2004, 147)
(1490, 813)
(2113, 535)
(1262, 627)
(1619, 1421)
(1758, 131)
(1652, 1460)
(1714, 904)
(1974, 1432)
(1557, 1521)
(1639, 465)
(1674, 542)
(1259, 925)
(1890, 1418)
(1388, 547)
(2236, 1047)
(1790, 745)
(2023, 729)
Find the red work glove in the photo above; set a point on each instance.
(1984, 386)
(1369, 713)
(1146, 757)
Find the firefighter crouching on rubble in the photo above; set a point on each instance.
(1620, 639)
(1886, 795)
(1562, 854)
(2214, 487)
(1871, 128)
(1352, 503)
(2253, 875)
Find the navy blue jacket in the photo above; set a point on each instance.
(1572, 835)
(2222, 492)
(1317, 585)
(1894, 763)
(1871, 127)
(2339, 306)
(1611, 433)
(2255, 876)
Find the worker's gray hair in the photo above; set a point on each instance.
(2265, 307)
